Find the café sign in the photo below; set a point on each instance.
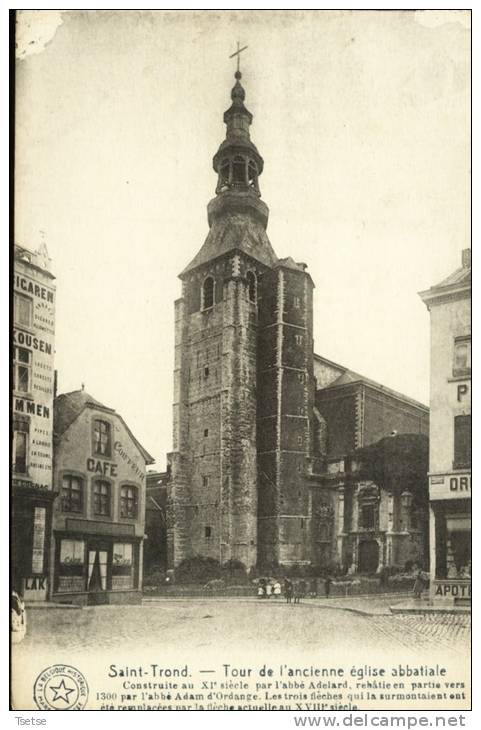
(450, 486)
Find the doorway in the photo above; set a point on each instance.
(98, 556)
(368, 556)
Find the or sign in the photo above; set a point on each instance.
(450, 486)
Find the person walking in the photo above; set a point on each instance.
(288, 590)
(260, 591)
(418, 585)
(277, 589)
(296, 592)
(268, 589)
(327, 586)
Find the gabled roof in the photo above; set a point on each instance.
(349, 377)
(67, 408)
(456, 285)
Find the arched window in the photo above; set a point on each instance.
(252, 286)
(252, 173)
(239, 170)
(129, 502)
(225, 171)
(208, 293)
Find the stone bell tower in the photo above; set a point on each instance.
(243, 325)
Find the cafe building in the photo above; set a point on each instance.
(33, 383)
(99, 513)
(449, 304)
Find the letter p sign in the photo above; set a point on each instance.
(462, 391)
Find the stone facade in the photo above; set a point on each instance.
(257, 415)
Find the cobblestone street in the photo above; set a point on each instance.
(200, 624)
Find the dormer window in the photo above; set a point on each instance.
(208, 293)
(252, 286)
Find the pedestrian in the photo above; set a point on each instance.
(260, 591)
(313, 589)
(268, 589)
(302, 589)
(327, 586)
(277, 589)
(418, 585)
(296, 592)
(18, 618)
(288, 590)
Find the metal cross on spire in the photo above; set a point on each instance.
(237, 53)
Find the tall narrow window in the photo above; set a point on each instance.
(462, 442)
(101, 440)
(20, 442)
(101, 498)
(22, 370)
(252, 286)
(239, 170)
(462, 356)
(22, 310)
(208, 531)
(129, 503)
(72, 493)
(208, 293)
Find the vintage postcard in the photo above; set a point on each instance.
(241, 341)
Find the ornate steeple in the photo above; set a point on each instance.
(237, 162)
(237, 216)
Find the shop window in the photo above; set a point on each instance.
(129, 502)
(71, 566)
(208, 293)
(22, 369)
(72, 493)
(462, 356)
(22, 308)
(101, 498)
(462, 442)
(208, 531)
(252, 286)
(101, 438)
(20, 449)
(122, 566)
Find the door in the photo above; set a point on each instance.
(368, 556)
(98, 556)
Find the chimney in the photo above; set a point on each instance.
(466, 258)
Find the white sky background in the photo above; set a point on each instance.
(363, 122)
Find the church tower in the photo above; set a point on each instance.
(243, 378)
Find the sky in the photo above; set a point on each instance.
(362, 118)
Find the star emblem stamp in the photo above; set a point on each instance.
(60, 687)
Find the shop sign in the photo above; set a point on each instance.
(35, 588)
(452, 589)
(450, 486)
(105, 468)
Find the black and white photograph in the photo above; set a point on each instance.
(241, 360)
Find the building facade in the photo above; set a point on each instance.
(99, 514)
(449, 304)
(261, 424)
(33, 381)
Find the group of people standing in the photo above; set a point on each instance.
(292, 590)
